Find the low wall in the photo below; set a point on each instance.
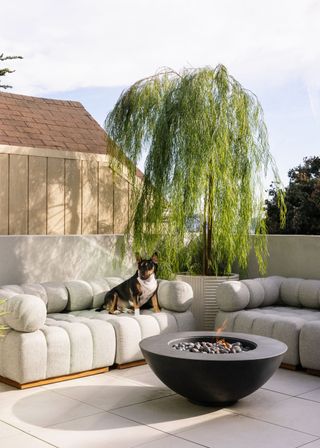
(290, 256)
(27, 259)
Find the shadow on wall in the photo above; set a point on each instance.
(27, 259)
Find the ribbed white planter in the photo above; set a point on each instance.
(204, 305)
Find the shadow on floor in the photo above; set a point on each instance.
(55, 407)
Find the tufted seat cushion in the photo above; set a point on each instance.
(282, 323)
(130, 329)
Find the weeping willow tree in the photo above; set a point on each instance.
(207, 155)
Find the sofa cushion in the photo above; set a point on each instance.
(309, 345)
(284, 326)
(24, 312)
(232, 296)
(80, 295)
(6, 293)
(300, 292)
(35, 289)
(10, 290)
(131, 329)
(309, 293)
(175, 295)
(289, 291)
(271, 287)
(57, 296)
(91, 342)
(99, 289)
(256, 292)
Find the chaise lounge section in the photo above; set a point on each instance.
(287, 309)
(54, 332)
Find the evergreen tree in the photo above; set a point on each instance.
(302, 198)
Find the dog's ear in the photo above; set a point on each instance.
(138, 257)
(154, 258)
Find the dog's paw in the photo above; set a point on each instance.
(129, 311)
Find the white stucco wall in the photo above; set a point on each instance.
(27, 259)
(290, 256)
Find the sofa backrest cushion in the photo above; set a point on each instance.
(175, 295)
(7, 291)
(300, 292)
(35, 289)
(83, 295)
(247, 294)
(256, 292)
(232, 296)
(99, 288)
(271, 288)
(80, 295)
(24, 312)
(57, 296)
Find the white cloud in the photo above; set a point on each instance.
(81, 43)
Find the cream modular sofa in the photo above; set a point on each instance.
(54, 333)
(287, 309)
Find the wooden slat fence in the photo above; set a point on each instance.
(53, 192)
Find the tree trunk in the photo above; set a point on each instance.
(210, 223)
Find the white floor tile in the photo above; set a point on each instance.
(243, 432)
(170, 414)
(314, 395)
(315, 444)
(170, 442)
(7, 431)
(143, 375)
(295, 413)
(292, 383)
(99, 431)
(73, 414)
(258, 401)
(111, 393)
(38, 407)
(23, 441)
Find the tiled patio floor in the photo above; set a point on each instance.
(132, 408)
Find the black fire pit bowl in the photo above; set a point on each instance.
(213, 378)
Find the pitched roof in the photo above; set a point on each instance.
(46, 123)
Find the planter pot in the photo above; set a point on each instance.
(204, 305)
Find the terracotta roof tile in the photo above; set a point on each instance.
(46, 123)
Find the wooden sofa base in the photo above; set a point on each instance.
(141, 362)
(56, 379)
(313, 372)
(283, 365)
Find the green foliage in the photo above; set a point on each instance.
(302, 199)
(5, 71)
(207, 152)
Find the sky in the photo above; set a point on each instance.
(89, 51)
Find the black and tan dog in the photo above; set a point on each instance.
(138, 291)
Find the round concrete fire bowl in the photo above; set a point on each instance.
(213, 378)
